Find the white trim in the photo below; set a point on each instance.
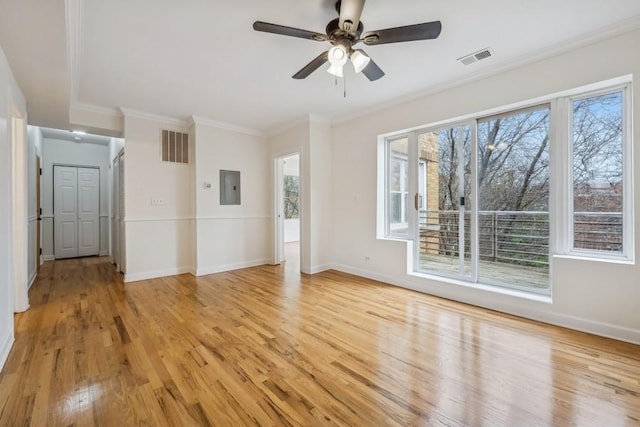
(166, 219)
(229, 267)
(5, 348)
(128, 112)
(288, 126)
(32, 218)
(227, 126)
(104, 215)
(97, 109)
(32, 278)
(315, 269)
(576, 323)
(548, 52)
(201, 218)
(47, 216)
(155, 274)
(224, 218)
(103, 253)
(48, 258)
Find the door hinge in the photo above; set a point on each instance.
(40, 251)
(462, 201)
(40, 211)
(40, 171)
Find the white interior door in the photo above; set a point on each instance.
(76, 208)
(88, 211)
(65, 207)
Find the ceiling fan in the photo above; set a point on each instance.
(344, 33)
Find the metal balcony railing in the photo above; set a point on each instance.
(515, 237)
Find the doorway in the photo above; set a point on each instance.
(76, 209)
(38, 212)
(288, 211)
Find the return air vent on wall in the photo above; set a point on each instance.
(476, 56)
(174, 146)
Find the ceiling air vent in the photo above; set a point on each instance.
(174, 146)
(476, 56)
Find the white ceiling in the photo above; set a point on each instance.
(66, 135)
(202, 57)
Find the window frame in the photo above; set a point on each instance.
(560, 167)
(569, 249)
(389, 232)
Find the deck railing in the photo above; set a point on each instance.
(515, 237)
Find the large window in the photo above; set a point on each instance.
(597, 153)
(476, 196)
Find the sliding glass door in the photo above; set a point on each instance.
(513, 199)
(497, 234)
(443, 235)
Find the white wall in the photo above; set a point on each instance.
(231, 236)
(158, 237)
(10, 94)
(320, 191)
(593, 296)
(312, 139)
(58, 152)
(34, 148)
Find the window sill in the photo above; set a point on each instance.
(546, 299)
(590, 258)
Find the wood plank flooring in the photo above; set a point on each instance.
(263, 346)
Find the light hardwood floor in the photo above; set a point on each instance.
(267, 346)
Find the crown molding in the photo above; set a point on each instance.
(203, 121)
(138, 114)
(604, 33)
(97, 109)
(288, 126)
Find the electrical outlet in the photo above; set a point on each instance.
(155, 201)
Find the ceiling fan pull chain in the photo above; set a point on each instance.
(344, 85)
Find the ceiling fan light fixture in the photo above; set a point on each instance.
(359, 61)
(336, 70)
(338, 55)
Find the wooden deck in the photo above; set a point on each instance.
(265, 346)
(510, 275)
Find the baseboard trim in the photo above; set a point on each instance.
(315, 269)
(48, 257)
(103, 253)
(5, 347)
(32, 278)
(135, 277)
(229, 267)
(603, 329)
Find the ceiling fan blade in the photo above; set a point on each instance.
(372, 71)
(312, 66)
(350, 10)
(288, 31)
(426, 31)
